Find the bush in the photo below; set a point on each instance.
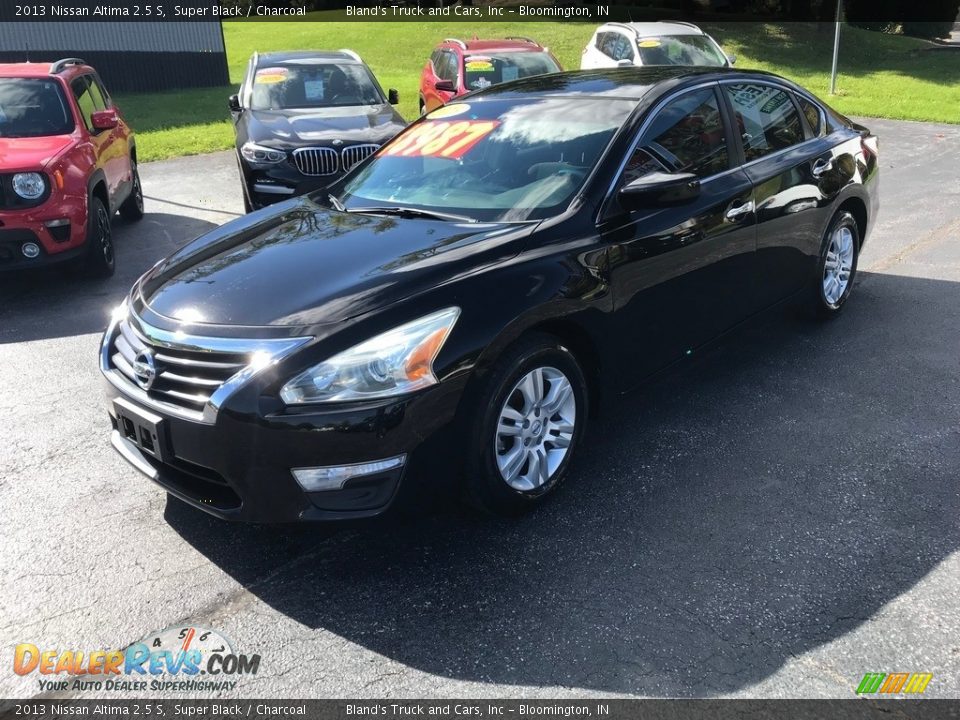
(925, 19)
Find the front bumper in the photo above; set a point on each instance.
(265, 186)
(239, 467)
(57, 227)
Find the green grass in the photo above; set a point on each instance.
(880, 75)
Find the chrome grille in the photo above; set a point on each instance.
(316, 161)
(192, 375)
(350, 156)
(184, 378)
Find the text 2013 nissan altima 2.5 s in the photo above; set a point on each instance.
(453, 309)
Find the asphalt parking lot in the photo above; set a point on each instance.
(776, 518)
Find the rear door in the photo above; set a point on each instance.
(790, 165)
(592, 57)
(682, 275)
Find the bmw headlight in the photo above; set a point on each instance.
(30, 185)
(396, 362)
(261, 154)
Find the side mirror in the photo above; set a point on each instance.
(445, 86)
(104, 119)
(732, 59)
(659, 189)
(624, 63)
(234, 102)
(393, 97)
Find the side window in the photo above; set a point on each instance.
(622, 49)
(81, 93)
(813, 115)
(599, 40)
(766, 118)
(687, 135)
(448, 66)
(101, 100)
(609, 47)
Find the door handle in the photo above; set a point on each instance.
(822, 166)
(735, 213)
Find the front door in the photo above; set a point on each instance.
(682, 275)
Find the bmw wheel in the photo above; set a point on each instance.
(531, 417)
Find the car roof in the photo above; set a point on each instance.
(629, 83)
(656, 29)
(515, 44)
(345, 56)
(40, 69)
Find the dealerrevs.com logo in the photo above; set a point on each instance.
(178, 659)
(894, 683)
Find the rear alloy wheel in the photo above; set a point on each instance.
(532, 413)
(100, 257)
(837, 267)
(132, 208)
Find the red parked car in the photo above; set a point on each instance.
(456, 67)
(67, 162)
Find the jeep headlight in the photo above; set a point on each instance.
(29, 185)
(396, 362)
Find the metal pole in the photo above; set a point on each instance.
(836, 50)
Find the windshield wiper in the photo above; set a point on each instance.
(411, 213)
(335, 201)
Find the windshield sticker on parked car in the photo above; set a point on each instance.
(269, 76)
(313, 89)
(440, 139)
(449, 111)
(649, 43)
(479, 66)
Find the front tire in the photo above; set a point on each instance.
(837, 266)
(101, 262)
(530, 418)
(132, 208)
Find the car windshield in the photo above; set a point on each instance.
(33, 108)
(491, 160)
(311, 84)
(679, 50)
(482, 71)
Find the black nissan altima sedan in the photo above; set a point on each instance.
(452, 311)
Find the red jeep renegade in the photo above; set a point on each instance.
(67, 163)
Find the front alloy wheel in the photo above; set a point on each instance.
(535, 428)
(100, 256)
(526, 421)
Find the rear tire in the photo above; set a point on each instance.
(836, 266)
(100, 260)
(132, 208)
(529, 418)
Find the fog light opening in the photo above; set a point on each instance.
(334, 477)
(30, 250)
(59, 229)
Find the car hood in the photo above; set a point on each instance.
(301, 265)
(295, 128)
(31, 153)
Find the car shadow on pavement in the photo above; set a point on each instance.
(62, 302)
(766, 498)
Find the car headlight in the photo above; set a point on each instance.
(261, 154)
(396, 362)
(30, 185)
